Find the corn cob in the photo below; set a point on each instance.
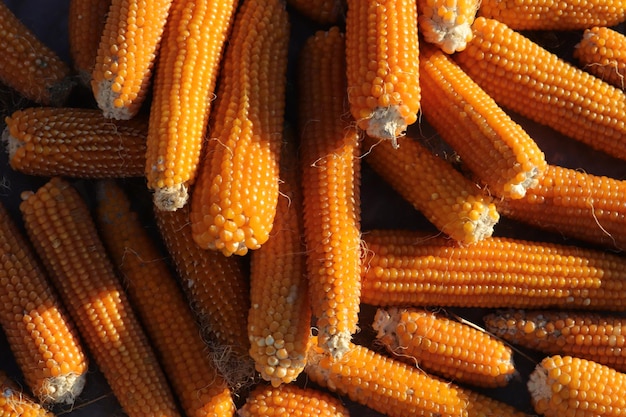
(126, 54)
(383, 66)
(570, 386)
(444, 347)
(412, 268)
(451, 202)
(235, 199)
(447, 23)
(29, 66)
(602, 52)
(496, 149)
(74, 142)
(41, 336)
(326, 12)
(523, 77)
(479, 405)
(15, 403)
(330, 164)
(64, 235)
(184, 83)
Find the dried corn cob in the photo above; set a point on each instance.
(479, 405)
(523, 77)
(235, 199)
(74, 142)
(412, 268)
(326, 12)
(444, 347)
(58, 223)
(330, 164)
(495, 148)
(570, 386)
(29, 66)
(126, 53)
(15, 403)
(41, 336)
(383, 66)
(447, 23)
(184, 83)
(451, 202)
(602, 52)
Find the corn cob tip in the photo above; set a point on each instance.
(336, 345)
(530, 180)
(11, 143)
(385, 123)
(171, 198)
(480, 222)
(106, 99)
(538, 384)
(384, 323)
(63, 389)
(450, 38)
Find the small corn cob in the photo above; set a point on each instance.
(326, 12)
(570, 386)
(184, 83)
(64, 235)
(444, 347)
(447, 23)
(41, 336)
(495, 148)
(291, 400)
(15, 403)
(126, 54)
(330, 164)
(234, 204)
(412, 268)
(383, 66)
(602, 52)
(522, 76)
(162, 307)
(597, 337)
(554, 14)
(74, 142)
(85, 25)
(384, 384)
(575, 204)
(451, 202)
(29, 66)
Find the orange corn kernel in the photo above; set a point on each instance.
(15, 403)
(602, 52)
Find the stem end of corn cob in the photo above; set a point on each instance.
(385, 123)
(336, 345)
(479, 223)
(171, 198)
(538, 386)
(62, 389)
(106, 98)
(450, 38)
(11, 143)
(530, 180)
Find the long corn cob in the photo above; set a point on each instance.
(447, 23)
(451, 202)
(330, 181)
(74, 142)
(602, 52)
(15, 403)
(326, 12)
(41, 336)
(383, 66)
(234, 202)
(58, 223)
(526, 78)
(411, 268)
(495, 148)
(184, 83)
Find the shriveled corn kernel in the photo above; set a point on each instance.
(602, 52)
(447, 23)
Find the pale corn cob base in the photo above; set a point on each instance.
(11, 143)
(531, 179)
(105, 98)
(538, 385)
(385, 123)
(449, 36)
(171, 198)
(62, 389)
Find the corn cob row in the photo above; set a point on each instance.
(447, 23)
(602, 52)
(15, 403)
(327, 12)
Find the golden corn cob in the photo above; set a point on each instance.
(330, 148)
(522, 76)
(496, 149)
(235, 199)
(64, 235)
(479, 405)
(183, 88)
(451, 202)
(41, 336)
(383, 66)
(326, 12)
(602, 52)
(15, 403)
(74, 142)
(447, 23)
(412, 268)
(444, 347)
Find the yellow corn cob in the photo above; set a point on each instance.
(41, 336)
(447, 23)
(569, 386)
(495, 148)
(412, 268)
(320, 11)
(444, 347)
(479, 405)
(523, 77)
(383, 66)
(59, 225)
(330, 164)
(597, 337)
(602, 52)
(451, 202)
(126, 54)
(15, 403)
(29, 66)
(291, 400)
(164, 311)
(183, 87)
(554, 14)
(235, 199)
(575, 204)
(74, 142)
